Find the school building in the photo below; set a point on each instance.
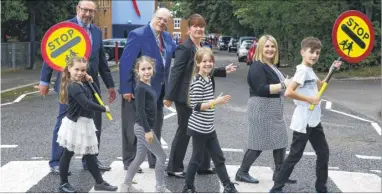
(117, 18)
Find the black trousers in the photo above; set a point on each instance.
(91, 162)
(180, 142)
(316, 136)
(200, 145)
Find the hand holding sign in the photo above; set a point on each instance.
(353, 39)
(62, 41)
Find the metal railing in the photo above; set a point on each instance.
(16, 55)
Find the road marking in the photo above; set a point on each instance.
(346, 114)
(232, 150)
(162, 141)
(355, 181)
(305, 153)
(20, 176)
(328, 105)
(369, 157)
(116, 177)
(37, 158)
(169, 115)
(376, 171)
(376, 127)
(263, 174)
(333, 168)
(18, 99)
(8, 103)
(8, 146)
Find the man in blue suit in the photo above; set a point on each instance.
(149, 40)
(97, 64)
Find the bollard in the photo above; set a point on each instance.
(116, 53)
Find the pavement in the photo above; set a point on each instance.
(351, 132)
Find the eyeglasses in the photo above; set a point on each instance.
(84, 10)
(162, 19)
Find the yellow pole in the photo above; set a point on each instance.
(323, 88)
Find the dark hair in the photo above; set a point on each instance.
(65, 78)
(196, 20)
(311, 42)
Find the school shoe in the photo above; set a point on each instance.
(125, 188)
(230, 188)
(56, 170)
(181, 175)
(66, 188)
(189, 189)
(138, 171)
(245, 177)
(276, 191)
(161, 189)
(104, 186)
(206, 171)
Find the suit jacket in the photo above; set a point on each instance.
(142, 42)
(97, 63)
(260, 76)
(181, 73)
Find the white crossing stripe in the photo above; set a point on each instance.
(20, 176)
(263, 174)
(116, 177)
(8, 146)
(355, 182)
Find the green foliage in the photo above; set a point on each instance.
(13, 10)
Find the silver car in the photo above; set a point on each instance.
(242, 51)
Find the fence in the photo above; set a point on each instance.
(16, 55)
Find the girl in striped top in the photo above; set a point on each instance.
(201, 122)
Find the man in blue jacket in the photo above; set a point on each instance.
(97, 64)
(149, 40)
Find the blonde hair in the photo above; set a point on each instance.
(258, 56)
(139, 61)
(65, 77)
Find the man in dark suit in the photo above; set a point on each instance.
(149, 40)
(178, 91)
(97, 64)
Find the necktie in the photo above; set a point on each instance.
(159, 42)
(87, 30)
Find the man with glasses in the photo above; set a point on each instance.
(97, 64)
(149, 40)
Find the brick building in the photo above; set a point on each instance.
(117, 18)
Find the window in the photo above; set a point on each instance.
(176, 35)
(176, 23)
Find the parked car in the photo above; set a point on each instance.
(206, 44)
(242, 51)
(109, 47)
(232, 45)
(243, 38)
(251, 52)
(223, 42)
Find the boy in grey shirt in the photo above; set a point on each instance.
(306, 124)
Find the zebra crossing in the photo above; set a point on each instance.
(20, 176)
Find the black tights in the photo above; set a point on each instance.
(90, 161)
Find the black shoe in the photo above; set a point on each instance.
(138, 171)
(206, 172)
(291, 181)
(230, 188)
(66, 188)
(181, 175)
(104, 187)
(188, 189)
(152, 166)
(245, 177)
(56, 170)
(276, 191)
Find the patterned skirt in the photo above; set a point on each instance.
(78, 137)
(266, 125)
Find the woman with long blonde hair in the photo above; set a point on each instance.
(267, 129)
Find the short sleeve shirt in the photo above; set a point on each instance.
(302, 116)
